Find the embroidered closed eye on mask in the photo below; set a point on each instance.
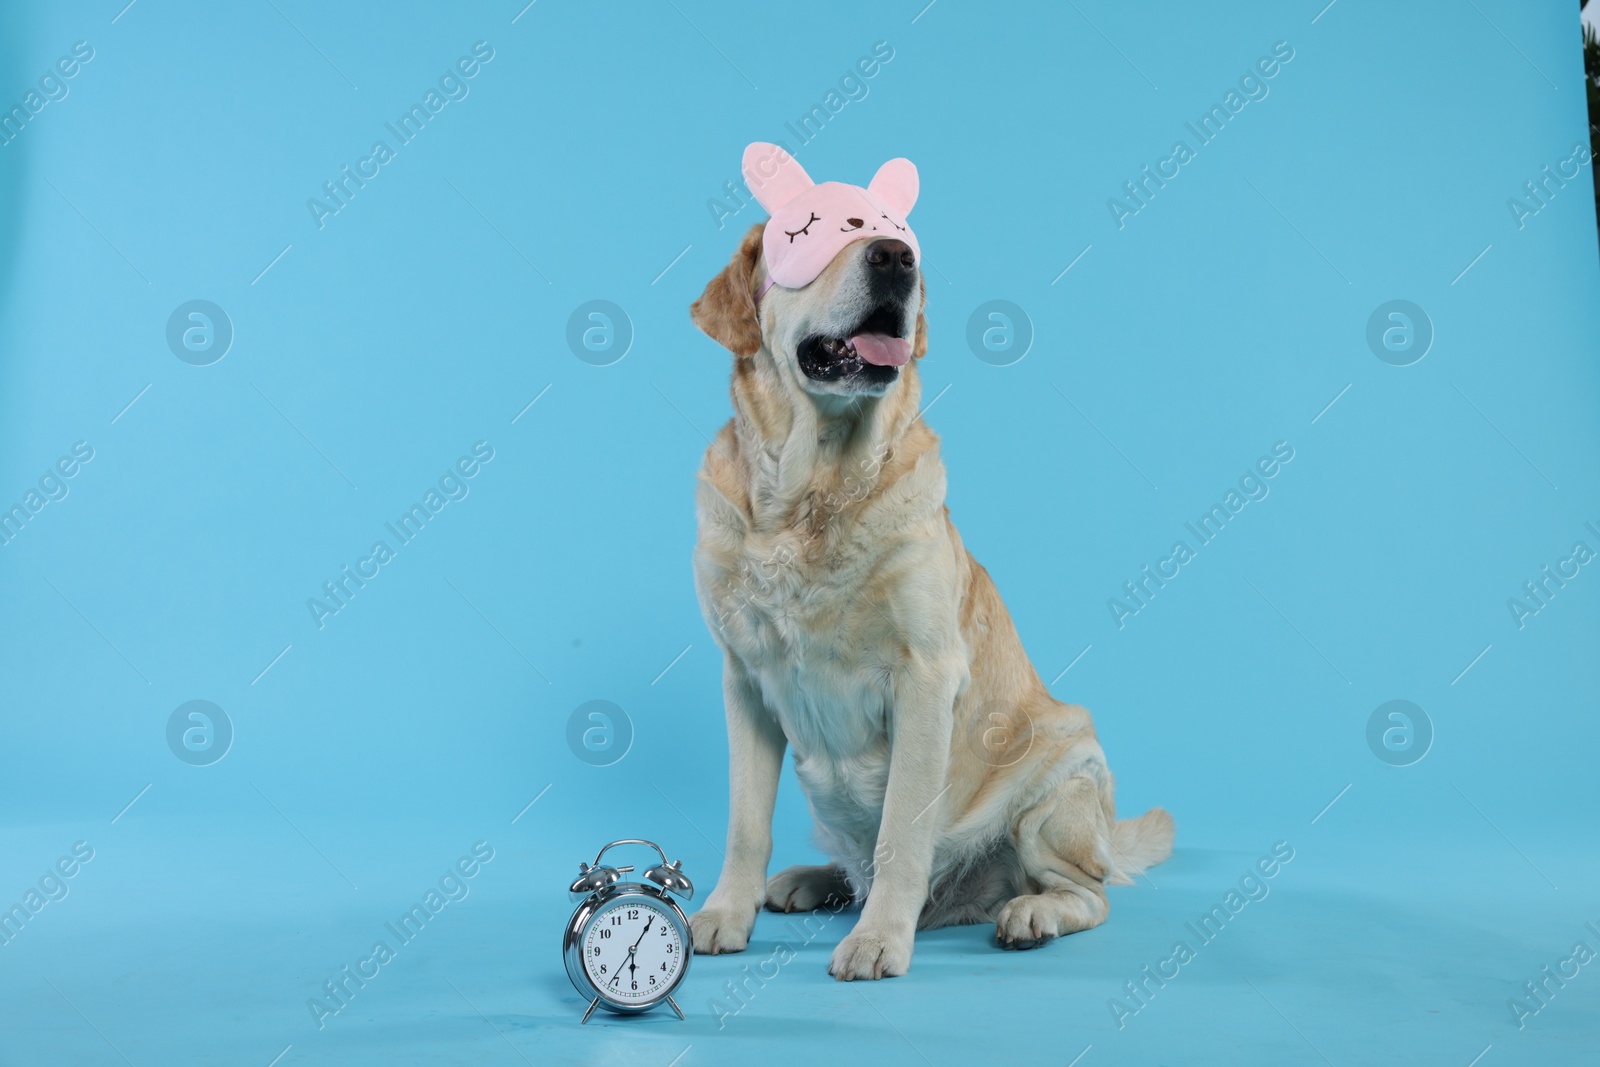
(812, 223)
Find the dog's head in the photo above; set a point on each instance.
(831, 285)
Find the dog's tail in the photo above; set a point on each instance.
(1138, 844)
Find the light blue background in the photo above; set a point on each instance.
(424, 717)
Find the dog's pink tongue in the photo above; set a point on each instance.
(882, 349)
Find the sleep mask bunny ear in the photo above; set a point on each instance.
(812, 223)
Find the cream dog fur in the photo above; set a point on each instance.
(948, 786)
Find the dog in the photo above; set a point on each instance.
(947, 785)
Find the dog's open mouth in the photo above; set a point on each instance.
(873, 352)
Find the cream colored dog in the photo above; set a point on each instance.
(947, 784)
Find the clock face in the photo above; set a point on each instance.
(632, 951)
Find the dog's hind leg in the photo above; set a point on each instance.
(1063, 846)
(803, 888)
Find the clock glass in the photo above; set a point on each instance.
(632, 951)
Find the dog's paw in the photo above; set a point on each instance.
(717, 930)
(1028, 922)
(807, 889)
(871, 954)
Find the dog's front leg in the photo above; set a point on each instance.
(755, 760)
(919, 733)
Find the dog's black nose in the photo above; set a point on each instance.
(891, 257)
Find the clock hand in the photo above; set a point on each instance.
(646, 930)
(628, 959)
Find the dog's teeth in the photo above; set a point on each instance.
(839, 348)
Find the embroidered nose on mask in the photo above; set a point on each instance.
(812, 223)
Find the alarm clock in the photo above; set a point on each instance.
(627, 946)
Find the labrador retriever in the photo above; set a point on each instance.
(946, 783)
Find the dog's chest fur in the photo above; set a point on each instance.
(816, 612)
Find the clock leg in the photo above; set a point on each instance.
(596, 1004)
(675, 1007)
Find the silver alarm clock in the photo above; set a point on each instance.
(627, 946)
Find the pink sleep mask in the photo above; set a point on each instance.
(812, 223)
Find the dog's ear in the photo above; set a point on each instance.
(726, 311)
(919, 341)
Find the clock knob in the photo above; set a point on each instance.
(670, 876)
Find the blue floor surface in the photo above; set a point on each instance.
(198, 947)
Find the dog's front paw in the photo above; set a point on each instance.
(717, 929)
(872, 954)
